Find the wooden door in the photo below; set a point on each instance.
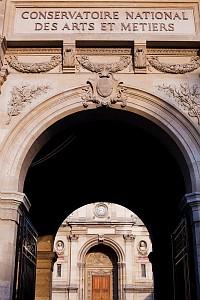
(101, 287)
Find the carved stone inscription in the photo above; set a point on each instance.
(104, 20)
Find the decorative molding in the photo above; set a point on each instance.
(103, 51)
(22, 95)
(30, 51)
(172, 52)
(3, 76)
(33, 67)
(186, 96)
(175, 68)
(123, 63)
(137, 288)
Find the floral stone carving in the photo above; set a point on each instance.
(104, 90)
(22, 95)
(175, 68)
(33, 67)
(186, 96)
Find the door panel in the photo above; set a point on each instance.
(101, 287)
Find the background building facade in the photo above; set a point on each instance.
(102, 253)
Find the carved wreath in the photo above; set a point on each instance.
(33, 67)
(175, 68)
(123, 63)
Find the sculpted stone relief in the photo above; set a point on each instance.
(104, 90)
(22, 95)
(95, 259)
(188, 97)
(175, 68)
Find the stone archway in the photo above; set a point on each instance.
(27, 137)
(101, 274)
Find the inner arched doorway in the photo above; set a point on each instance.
(101, 274)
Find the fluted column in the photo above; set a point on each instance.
(12, 205)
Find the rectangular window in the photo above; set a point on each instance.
(58, 270)
(143, 271)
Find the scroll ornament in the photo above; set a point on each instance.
(22, 95)
(175, 68)
(33, 67)
(186, 96)
(104, 90)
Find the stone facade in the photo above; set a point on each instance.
(58, 58)
(91, 227)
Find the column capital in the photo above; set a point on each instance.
(11, 204)
(192, 203)
(16, 198)
(193, 199)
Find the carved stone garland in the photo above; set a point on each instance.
(22, 95)
(104, 90)
(33, 67)
(186, 96)
(175, 68)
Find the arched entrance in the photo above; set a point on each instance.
(118, 142)
(101, 274)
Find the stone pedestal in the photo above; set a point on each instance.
(45, 259)
(11, 206)
(192, 202)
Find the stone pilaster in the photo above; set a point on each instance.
(45, 260)
(192, 202)
(12, 205)
(73, 281)
(129, 240)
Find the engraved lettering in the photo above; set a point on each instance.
(110, 20)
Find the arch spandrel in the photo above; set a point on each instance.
(27, 136)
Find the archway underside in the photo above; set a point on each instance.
(114, 156)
